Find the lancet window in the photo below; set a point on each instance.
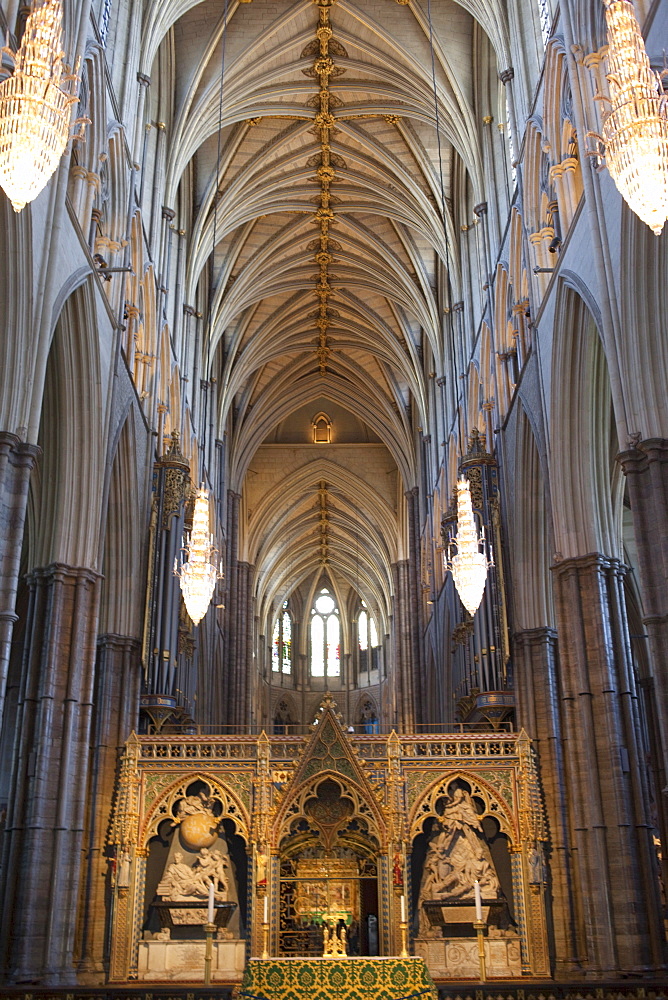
(367, 643)
(325, 637)
(281, 647)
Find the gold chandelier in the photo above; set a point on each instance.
(469, 563)
(199, 572)
(35, 107)
(635, 128)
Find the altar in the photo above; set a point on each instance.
(338, 979)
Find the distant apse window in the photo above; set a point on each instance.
(281, 647)
(325, 637)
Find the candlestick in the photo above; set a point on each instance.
(209, 912)
(403, 909)
(209, 930)
(404, 936)
(479, 926)
(478, 901)
(265, 919)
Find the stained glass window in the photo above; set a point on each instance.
(286, 642)
(275, 646)
(281, 644)
(325, 637)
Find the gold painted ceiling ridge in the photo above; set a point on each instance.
(323, 69)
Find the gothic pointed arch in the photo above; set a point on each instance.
(329, 757)
(485, 787)
(162, 802)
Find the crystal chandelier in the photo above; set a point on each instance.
(35, 107)
(635, 128)
(198, 574)
(469, 563)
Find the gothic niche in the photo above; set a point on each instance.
(195, 848)
(458, 847)
(282, 718)
(368, 717)
(328, 876)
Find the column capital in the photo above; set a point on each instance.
(639, 454)
(536, 636)
(592, 560)
(62, 572)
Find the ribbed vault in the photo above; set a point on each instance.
(319, 252)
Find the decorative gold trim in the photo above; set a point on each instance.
(323, 69)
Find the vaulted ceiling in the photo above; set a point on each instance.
(326, 215)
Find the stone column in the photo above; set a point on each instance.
(250, 663)
(231, 609)
(646, 469)
(539, 712)
(45, 821)
(172, 475)
(614, 870)
(117, 686)
(403, 650)
(415, 673)
(242, 645)
(16, 463)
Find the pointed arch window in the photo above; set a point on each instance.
(367, 642)
(281, 645)
(325, 637)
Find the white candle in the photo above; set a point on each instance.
(478, 901)
(403, 909)
(266, 910)
(209, 912)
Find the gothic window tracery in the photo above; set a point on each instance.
(325, 630)
(281, 644)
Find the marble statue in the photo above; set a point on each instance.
(123, 881)
(192, 805)
(184, 882)
(197, 821)
(536, 872)
(457, 856)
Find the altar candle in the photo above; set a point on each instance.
(209, 912)
(266, 910)
(403, 909)
(478, 901)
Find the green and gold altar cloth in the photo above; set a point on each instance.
(338, 979)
